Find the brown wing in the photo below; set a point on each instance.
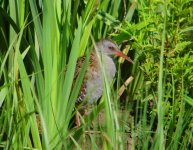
(93, 65)
(82, 92)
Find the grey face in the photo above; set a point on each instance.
(107, 47)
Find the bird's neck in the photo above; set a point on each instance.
(106, 61)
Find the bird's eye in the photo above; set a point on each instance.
(111, 47)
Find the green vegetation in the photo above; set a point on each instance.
(38, 39)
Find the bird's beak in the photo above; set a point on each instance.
(120, 54)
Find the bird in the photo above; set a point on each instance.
(92, 85)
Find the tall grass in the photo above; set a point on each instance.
(40, 44)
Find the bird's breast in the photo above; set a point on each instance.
(95, 79)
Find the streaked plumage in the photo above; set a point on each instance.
(92, 85)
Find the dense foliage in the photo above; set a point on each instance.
(38, 39)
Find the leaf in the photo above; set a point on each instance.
(189, 100)
(182, 45)
(186, 30)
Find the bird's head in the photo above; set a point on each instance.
(109, 48)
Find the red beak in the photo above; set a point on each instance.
(120, 54)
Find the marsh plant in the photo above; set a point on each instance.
(40, 40)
